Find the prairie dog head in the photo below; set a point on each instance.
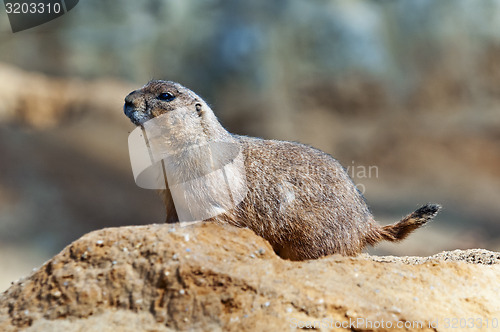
(185, 116)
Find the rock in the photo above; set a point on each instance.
(212, 277)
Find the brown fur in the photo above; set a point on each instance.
(300, 199)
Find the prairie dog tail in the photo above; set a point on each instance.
(400, 230)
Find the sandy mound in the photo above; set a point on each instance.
(205, 276)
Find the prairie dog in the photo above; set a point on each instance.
(300, 199)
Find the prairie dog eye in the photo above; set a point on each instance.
(167, 96)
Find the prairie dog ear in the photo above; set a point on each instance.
(199, 108)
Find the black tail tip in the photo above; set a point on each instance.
(428, 211)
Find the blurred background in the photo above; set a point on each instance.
(405, 94)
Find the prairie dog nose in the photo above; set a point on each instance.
(131, 100)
